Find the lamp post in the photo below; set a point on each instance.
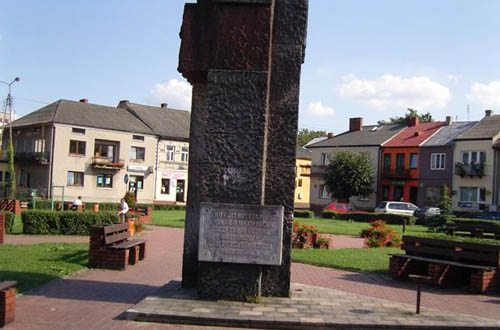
(9, 104)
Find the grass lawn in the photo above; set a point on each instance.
(358, 260)
(18, 225)
(34, 265)
(169, 218)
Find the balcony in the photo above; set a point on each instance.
(474, 169)
(39, 157)
(398, 173)
(317, 170)
(107, 164)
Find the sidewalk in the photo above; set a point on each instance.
(97, 299)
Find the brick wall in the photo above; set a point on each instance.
(482, 281)
(7, 303)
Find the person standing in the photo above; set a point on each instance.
(76, 203)
(123, 209)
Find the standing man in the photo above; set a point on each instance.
(123, 209)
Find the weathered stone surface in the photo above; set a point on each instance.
(245, 234)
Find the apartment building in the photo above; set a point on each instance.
(476, 169)
(302, 178)
(359, 138)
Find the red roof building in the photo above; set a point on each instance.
(399, 161)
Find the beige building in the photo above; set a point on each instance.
(92, 151)
(302, 178)
(359, 138)
(475, 181)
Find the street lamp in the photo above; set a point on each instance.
(9, 104)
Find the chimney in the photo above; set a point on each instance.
(330, 135)
(412, 121)
(355, 124)
(84, 101)
(416, 134)
(449, 121)
(489, 113)
(164, 105)
(123, 104)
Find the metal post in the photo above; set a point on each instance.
(62, 207)
(404, 226)
(419, 291)
(52, 197)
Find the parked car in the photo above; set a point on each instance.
(341, 208)
(425, 213)
(401, 208)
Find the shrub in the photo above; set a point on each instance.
(9, 222)
(64, 223)
(161, 207)
(329, 215)
(129, 199)
(393, 219)
(380, 235)
(303, 214)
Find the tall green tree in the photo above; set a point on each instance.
(423, 118)
(11, 183)
(304, 135)
(349, 174)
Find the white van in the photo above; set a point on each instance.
(401, 208)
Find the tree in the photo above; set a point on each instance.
(438, 223)
(423, 118)
(349, 174)
(11, 183)
(304, 135)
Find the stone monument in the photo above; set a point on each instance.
(243, 58)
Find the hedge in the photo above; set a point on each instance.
(162, 207)
(9, 221)
(45, 205)
(303, 214)
(329, 215)
(393, 219)
(476, 221)
(64, 223)
(458, 238)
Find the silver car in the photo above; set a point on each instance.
(401, 208)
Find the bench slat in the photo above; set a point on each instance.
(116, 227)
(117, 237)
(440, 261)
(127, 244)
(7, 285)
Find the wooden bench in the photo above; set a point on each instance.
(478, 230)
(112, 248)
(449, 263)
(7, 302)
(144, 215)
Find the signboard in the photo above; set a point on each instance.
(137, 168)
(125, 178)
(245, 234)
(398, 183)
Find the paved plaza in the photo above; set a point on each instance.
(98, 299)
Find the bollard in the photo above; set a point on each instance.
(419, 279)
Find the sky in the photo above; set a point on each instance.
(364, 58)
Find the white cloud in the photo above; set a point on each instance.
(394, 92)
(318, 109)
(485, 94)
(454, 77)
(176, 93)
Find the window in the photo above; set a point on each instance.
(398, 193)
(363, 198)
(105, 180)
(75, 179)
(385, 192)
(77, 147)
(104, 150)
(437, 161)
(138, 137)
(40, 145)
(472, 194)
(137, 153)
(137, 181)
(324, 159)
(299, 183)
(78, 130)
(432, 194)
(184, 154)
(170, 153)
(400, 161)
(473, 157)
(387, 161)
(413, 160)
(323, 193)
(1, 175)
(165, 186)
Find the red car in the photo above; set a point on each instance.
(341, 208)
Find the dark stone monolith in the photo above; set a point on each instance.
(243, 58)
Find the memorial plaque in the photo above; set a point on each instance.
(244, 234)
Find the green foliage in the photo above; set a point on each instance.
(423, 118)
(349, 174)
(163, 207)
(329, 214)
(11, 183)
(304, 135)
(369, 217)
(64, 223)
(303, 214)
(129, 199)
(380, 235)
(455, 238)
(475, 221)
(9, 221)
(437, 223)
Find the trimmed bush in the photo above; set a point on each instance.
(380, 235)
(164, 207)
(9, 222)
(329, 215)
(393, 219)
(303, 214)
(64, 223)
(476, 221)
